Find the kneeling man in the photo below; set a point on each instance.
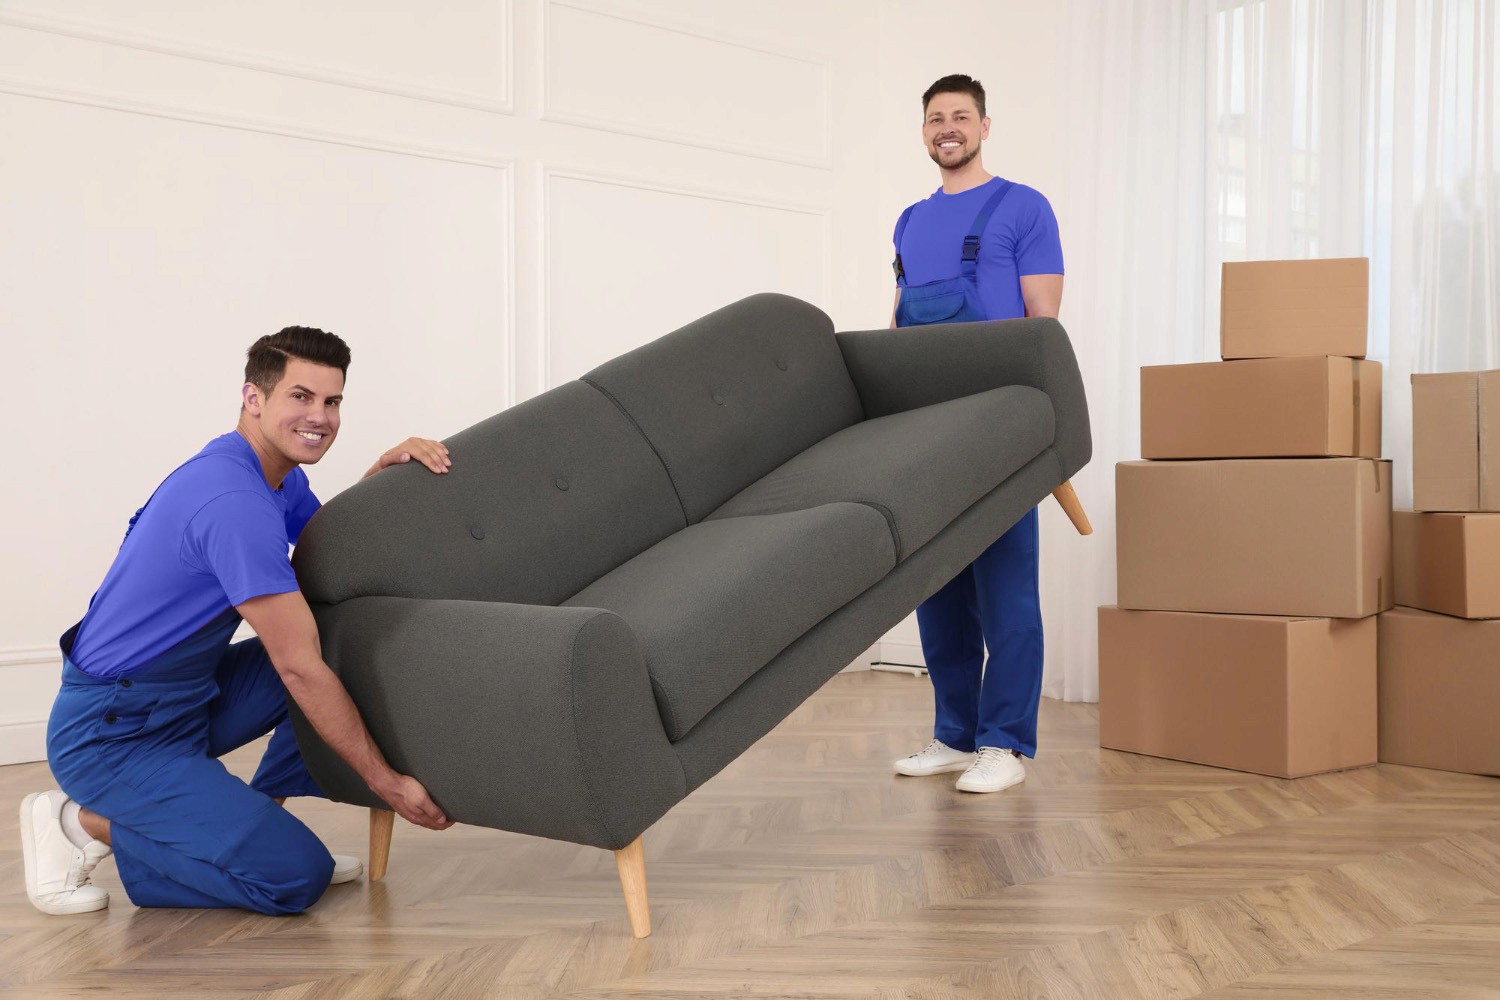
(154, 692)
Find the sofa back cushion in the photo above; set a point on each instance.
(735, 394)
(542, 500)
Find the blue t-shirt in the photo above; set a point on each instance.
(1021, 239)
(212, 536)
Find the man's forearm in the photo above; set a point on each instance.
(327, 705)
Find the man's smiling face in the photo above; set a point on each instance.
(299, 418)
(952, 130)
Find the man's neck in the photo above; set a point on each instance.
(273, 466)
(966, 177)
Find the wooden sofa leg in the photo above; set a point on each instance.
(381, 821)
(1070, 505)
(631, 861)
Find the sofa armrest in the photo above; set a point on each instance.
(528, 718)
(896, 370)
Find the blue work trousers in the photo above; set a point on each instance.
(992, 603)
(141, 750)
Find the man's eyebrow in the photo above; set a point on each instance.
(303, 388)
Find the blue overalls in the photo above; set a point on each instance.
(141, 750)
(993, 602)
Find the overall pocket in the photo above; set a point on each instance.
(127, 713)
(949, 300)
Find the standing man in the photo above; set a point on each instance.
(154, 692)
(979, 248)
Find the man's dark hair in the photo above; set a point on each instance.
(956, 83)
(265, 362)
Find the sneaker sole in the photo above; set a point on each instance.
(341, 877)
(980, 791)
(958, 765)
(28, 864)
(28, 852)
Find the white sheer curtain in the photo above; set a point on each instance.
(1432, 197)
(1211, 130)
(1131, 207)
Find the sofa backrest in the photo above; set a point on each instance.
(543, 499)
(731, 396)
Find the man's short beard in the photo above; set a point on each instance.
(937, 158)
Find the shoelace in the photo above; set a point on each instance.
(83, 869)
(936, 746)
(991, 757)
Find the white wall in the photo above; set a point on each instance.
(485, 197)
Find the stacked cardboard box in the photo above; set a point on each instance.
(1254, 544)
(1440, 651)
(1455, 446)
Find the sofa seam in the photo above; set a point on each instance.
(890, 523)
(1056, 455)
(666, 696)
(588, 782)
(671, 479)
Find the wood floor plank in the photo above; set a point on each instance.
(806, 869)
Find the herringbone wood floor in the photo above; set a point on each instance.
(807, 870)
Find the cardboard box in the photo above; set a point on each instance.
(1263, 408)
(1447, 562)
(1280, 696)
(1439, 688)
(1455, 450)
(1294, 308)
(1295, 536)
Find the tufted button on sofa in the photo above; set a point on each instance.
(627, 580)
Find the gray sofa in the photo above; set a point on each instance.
(626, 581)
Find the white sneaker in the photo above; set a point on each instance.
(937, 758)
(57, 873)
(993, 770)
(346, 869)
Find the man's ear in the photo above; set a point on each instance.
(984, 128)
(251, 398)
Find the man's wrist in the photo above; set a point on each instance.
(383, 782)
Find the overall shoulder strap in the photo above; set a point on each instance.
(971, 241)
(900, 230)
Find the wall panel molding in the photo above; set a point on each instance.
(88, 30)
(820, 156)
(249, 123)
(27, 656)
(291, 130)
(544, 375)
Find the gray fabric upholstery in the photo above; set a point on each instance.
(533, 719)
(542, 500)
(731, 396)
(803, 667)
(898, 370)
(437, 597)
(922, 467)
(715, 602)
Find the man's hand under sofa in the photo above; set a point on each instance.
(286, 627)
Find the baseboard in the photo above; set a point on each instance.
(23, 742)
(29, 678)
(901, 653)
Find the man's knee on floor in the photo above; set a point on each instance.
(282, 867)
(295, 882)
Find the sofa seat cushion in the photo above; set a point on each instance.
(716, 601)
(922, 467)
